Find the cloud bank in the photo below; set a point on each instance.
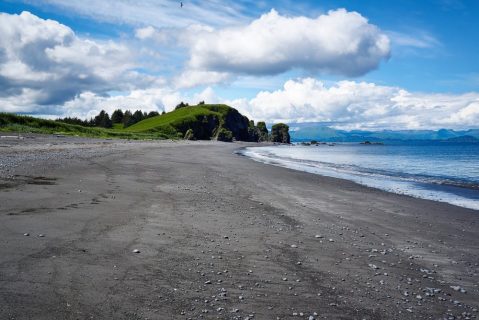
(339, 42)
(43, 63)
(361, 105)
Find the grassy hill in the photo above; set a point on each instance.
(203, 121)
(27, 124)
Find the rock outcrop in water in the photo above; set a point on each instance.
(280, 133)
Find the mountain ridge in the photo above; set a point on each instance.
(307, 132)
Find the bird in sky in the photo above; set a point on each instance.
(181, 4)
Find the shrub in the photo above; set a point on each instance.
(225, 135)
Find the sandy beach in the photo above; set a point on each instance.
(109, 229)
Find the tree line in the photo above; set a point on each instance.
(103, 119)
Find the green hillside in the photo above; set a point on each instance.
(27, 124)
(202, 122)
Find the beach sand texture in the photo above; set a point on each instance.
(109, 229)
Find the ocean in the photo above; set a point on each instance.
(447, 172)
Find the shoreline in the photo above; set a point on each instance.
(456, 195)
(220, 235)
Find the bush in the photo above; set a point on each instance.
(225, 135)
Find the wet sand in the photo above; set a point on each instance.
(219, 237)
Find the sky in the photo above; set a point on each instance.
(351, 64)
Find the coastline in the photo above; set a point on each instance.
(458, 193)
(214, 226)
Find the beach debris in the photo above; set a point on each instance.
(331, 240)
(294, 246)
(41, 235)
(318, 236)
(458, 288)
(26, 234)
(136, 251)
(373, 266)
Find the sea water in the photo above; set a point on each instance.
(447, 172)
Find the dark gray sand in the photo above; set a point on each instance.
(218, 236)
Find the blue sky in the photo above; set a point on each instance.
(362, 64)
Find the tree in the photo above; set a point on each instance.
(201, 103)
(181, 105)
(131, 119)
(103, 120)
(280, 133)
(126, 118)
(117, 116)
(152, 114)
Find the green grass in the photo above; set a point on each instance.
(27, 124)
(178, 119)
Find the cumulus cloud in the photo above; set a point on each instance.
(361, 105)
(339, 42)
(43, 62)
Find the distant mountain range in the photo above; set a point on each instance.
(310, 131)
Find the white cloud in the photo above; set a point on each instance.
(43, 62)
(192, 78)
(361, 105)
(339, 42)
(145, 33)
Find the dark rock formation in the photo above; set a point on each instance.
(280, 133)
